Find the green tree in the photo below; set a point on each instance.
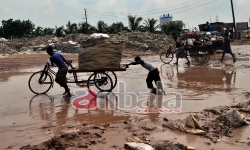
(71, 28)
(85, 28)
(17, 28)
(134, 22)
(27, 27)
(115, 28)
(59, 31)
(48, 31)
(102, 27)
(150, 25)
(172, 28)
(1, 31)
(38, 31)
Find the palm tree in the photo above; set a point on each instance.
(71, 28)
(134, 22)
(150, 25)
(85, 28)
(172, 28)
(102, 27)
(48, 31)
(38, 31)
(59, 31)
(115, 28)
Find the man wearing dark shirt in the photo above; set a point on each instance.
(59, 60)
(227, 48)
(208, 27)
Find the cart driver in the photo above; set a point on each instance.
(59, 60)
(153, 74)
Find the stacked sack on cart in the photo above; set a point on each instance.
(100, 51)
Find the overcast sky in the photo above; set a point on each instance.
(51, 13)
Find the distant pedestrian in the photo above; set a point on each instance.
(208, 27)
(181, 53)
(227, 48)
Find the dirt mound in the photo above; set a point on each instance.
(78, 140)
(75, 38)
(145, 40)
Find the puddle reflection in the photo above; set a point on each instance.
(43, 107)
(199, 77)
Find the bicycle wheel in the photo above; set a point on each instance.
(113, 77)
(166, 57)
(103, 82)
(201, 56)
(40, 83)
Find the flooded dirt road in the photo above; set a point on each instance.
(27, 118)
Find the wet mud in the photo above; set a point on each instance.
(30, 121)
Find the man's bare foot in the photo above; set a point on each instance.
(67, 92)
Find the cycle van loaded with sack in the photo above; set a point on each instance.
(99, 57)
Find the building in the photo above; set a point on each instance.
(164, 19)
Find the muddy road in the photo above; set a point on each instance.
(29, 119)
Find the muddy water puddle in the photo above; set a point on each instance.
(30, 119)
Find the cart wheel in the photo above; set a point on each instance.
(201, 56)
(40, 82)
(113, 77)
(166, 56)
(102, 81)
(207, 57)
(90, 80)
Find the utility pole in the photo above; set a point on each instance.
(86, 18)
(233, 19)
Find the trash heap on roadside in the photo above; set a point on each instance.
(216, 122)
(141, 41)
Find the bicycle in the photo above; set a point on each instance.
(42, 81)
(201, 56)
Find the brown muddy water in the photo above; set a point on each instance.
(27, 118)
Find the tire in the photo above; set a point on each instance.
(42, 87)
(207, 57)
(103, 81)
(113, 77)
(166, 57)
(201, 57)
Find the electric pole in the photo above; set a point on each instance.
(86, 18)
(233, 19)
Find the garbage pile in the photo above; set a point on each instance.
(71, 43)
(145, 40)
(217, 122)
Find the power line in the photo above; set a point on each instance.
(122, 17)
(174, 9)
(147, 11)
